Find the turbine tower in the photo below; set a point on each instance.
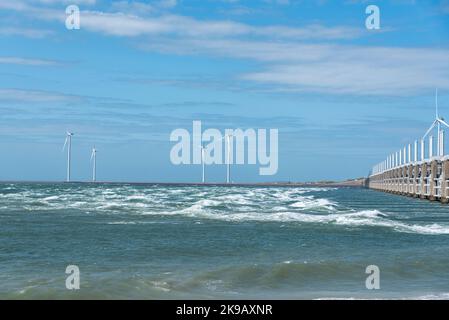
(203, 164)
(228, 173)
(68, 142)
(93, 158)
(437, 122)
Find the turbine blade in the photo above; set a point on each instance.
(65, 143)
(443, 122)
(225, 136)
(430, 129)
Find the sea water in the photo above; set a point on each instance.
(205, 242)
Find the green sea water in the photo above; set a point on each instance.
(203, 242)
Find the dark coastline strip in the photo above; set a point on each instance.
(353, 184)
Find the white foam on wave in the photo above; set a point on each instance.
(427, 229)
(373, 218)
(161, 285)
(438, 296)
(50, 198)
(252, 204)
(122, 222)
(376, 218)
(136, 197)
(310, 203)
(113, 206)
(133, 222)
(201, 206)
(236, 199)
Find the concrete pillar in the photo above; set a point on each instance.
(404, 180)
(391, 180)
(423, 179)
(395, 180)
(433, 174)
(410, 180)
(415, 177)
(386, 180)
(444, 177)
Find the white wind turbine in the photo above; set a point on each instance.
(437, 122)
(68, 142)
(203, 163)
(93, 157)
(228, 156)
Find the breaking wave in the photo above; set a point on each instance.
(174, 242)
(274, 204)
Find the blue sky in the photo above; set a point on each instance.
(343, 97)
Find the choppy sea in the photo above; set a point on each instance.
(204, 242)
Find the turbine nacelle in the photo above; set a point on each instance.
(68, 140)
(93, 159)
(68, 136)
(94, 153)
(438, 120)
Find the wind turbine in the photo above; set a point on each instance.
(93, 157)
(228, 173)
(228, 158)
(68, 142)
(437, 122)
(202, 163)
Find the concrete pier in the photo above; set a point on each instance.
(426, 179)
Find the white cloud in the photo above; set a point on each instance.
(26, 32)
(293, 58)
(27, 61)
(65, 2)
(132, 7)
(35, 96)
(167, 3)
(333, 69)
(138, 8)
(366, 71)
(131, 24)
(120, 24)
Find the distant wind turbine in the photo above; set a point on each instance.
(68, 142)
(93, 158)
(203, 163)
(437, 122)
(228, 158)
(228, 173)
